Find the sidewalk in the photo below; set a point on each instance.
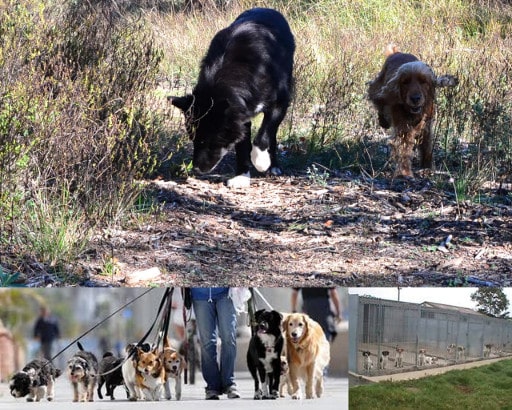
(335, 398)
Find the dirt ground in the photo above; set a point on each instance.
(292, 231)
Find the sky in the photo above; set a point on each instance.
(449, 296)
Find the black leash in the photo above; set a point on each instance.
(162, 334)
(100, 323)
(166, 301)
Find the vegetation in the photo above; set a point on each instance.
(83, 114)
(481, 387)
(491, 302)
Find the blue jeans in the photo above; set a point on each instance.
(217, 317)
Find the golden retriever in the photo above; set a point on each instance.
(308, 353)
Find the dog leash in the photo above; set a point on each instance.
(100, 323)
(251, 305)
(167, 297)
(166, 302)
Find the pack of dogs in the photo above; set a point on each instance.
(247, 70)
(385, 357)
(284, 352)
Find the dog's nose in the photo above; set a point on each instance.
(415, 99)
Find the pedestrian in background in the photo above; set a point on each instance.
(322, 305)
(216, 316)
(46, 331)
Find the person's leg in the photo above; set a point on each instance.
(227, 332)
(206, 320)
(46, 350)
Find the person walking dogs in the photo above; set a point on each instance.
(46, 331)
(216, 315)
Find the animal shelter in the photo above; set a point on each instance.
(388, 337)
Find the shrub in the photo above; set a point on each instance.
(76, 128)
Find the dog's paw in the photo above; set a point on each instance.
(260, 159)
(240, 181)
(296, 396)
(273, 396)
(30, 399)
(258, 395)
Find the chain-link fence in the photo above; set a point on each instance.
(388, 336)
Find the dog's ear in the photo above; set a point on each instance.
(284, 323)
(85, 364)
(258, 314)
(306, 319)
(183, 103)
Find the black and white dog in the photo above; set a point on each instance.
(82, 372)
(35, 380)
(367, 360)
(110, 374)
(264, 354)
(247, 70)
(384, 358)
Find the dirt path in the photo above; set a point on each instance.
(288, 231)
(295, 231)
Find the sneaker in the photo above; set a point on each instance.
(232, 392)
(212, 395)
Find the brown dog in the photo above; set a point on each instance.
(404, 95)
(308, 353)
(174, 365)
(150, 374)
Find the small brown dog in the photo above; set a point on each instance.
(150, 374)
(404, 95)
(174, 365)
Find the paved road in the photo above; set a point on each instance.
(335, 398)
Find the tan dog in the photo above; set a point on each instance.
(308, 353)
(150, 374)
(399, 356)
(422, 357)
(174, 365)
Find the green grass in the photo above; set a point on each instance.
(486, 387)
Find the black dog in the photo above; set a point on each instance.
(247, 70)
(34, 380)
(264, 354)
(110, 374)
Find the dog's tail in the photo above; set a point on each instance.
(391, 49)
